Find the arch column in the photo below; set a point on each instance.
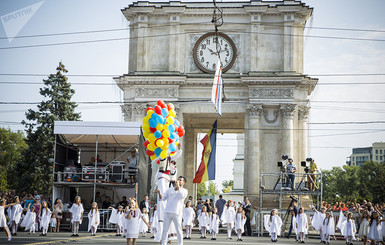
(287, 140)
(252, 151)
(303, 114)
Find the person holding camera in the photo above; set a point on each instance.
(290, 169)
(311, 178)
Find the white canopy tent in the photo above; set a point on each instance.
(122, 134)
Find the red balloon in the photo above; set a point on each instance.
(158, 110)
(149, 108)
(173, 152)
(146, 143)
(160, 102)
(176, 128)
(181, 128)
(149, 153)
(170, 140)
(169, 107)
(153, 130)
(180, 133)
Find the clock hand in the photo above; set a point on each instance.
(212, 52)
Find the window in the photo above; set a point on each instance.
(381, 151)
(376, 158)
(376, 151)
(380, 158)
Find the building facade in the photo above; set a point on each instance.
(172, 57)
(374, 153)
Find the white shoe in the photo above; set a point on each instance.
(9, 238)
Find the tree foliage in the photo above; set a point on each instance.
(352, 182)
(227, 186)
(56, 105)
(207, 189)
(12, 145)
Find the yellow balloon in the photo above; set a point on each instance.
(146, 127)
(152, 157)
(159, 143)
(159, 127)
(171, 106)
(164, 147)
(163, 154)
(145, 120)
(170, 120)
(146, 134)
(151, 138)
(166, 133)
(149, 113)
(171, 113)
(172, 154)
(151, 147)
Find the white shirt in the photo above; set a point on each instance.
(175, 200)
(177, 155)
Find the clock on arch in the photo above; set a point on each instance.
(206, 56)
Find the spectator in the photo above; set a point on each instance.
(124, 202)
(294, 213)
(107, 203)
(220, 204)
(145, 204)
(57, 209)
(247, 209)
(291, 169)
(133, 164)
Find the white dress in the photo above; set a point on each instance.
(301, 223)
(188, 217)
(45, 218)
(28, 220)
(228, 216)
(341, 219)
(204, 220)
(93, 219)
(364, 228)
(76, 211)
(117, 217)
(317, 220)
(14, 213)
(3, 220)
(348, 228)
(132, 224)
(52, 223)
(273, 224)
(214, 223)
(375, 232)
(142, 226)
(154, 222)
(240, 222)
(328, 226)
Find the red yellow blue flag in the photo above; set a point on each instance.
(206, 169)
(217, 90)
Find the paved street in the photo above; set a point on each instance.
(109, 238)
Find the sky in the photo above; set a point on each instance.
(326, 52)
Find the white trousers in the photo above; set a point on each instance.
(169, 219)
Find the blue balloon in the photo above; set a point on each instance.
(171, 128)
(176, 137)
(172, 147)
(172, 136)
(158, 151)
(154, 116)
(164, 121)
(164, 112)
(158, 134)
(159, 119)
(177, 123)
(152, 123)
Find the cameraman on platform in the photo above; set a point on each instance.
(311, 178)
(291, 169)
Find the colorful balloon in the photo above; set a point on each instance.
(170, 106)
(170, 120)
(159, 127)
(157, 109)
(150, 112)
(171, 128)
(158, 134)
(166, 133)
(146, 143)
(164, 112)
(149, 153)
(153, 130)
(159, 119)
(158, 151)
(151, 146)
(171, 113)
(152, 123)
(177, 123)
(159, 143)
(172, 147)
(153, 157)
(151, 138)
(163, 154)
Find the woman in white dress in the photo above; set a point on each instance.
(273, 224)
(77, 215)
(188, 219)
(117, 218)
(3, 219)
(143, 228)
(301, 224)
(204, 222)
(93, 219)
(240, 221)
(328, 228)
(228, 217)
(375, 230)
(214, 224)
(364, 226)
(45, 218)
(29, 220)
(133, 217)
(14, 215)
(154, 221)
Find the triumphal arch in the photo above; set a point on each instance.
(171, 58)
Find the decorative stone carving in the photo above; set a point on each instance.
(156, 92)
(254, 110)
(271, 93)
(127, 112)
(287, 110)
(303, 112)
(139, 109)
(272, 120)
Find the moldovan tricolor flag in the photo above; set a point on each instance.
(206, 170)
(216, 93)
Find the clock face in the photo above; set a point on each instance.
(206, 54)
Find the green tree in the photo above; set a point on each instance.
(227, 185)
(372, 181)
(12, 146)
(56, 105)
(212, 188)
(201, 190)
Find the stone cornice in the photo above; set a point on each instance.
(287, 110)
(254, 110)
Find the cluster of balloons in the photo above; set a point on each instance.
(161, 130)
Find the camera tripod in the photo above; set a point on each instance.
(284, 220)
(281, 178)
(303, 179)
